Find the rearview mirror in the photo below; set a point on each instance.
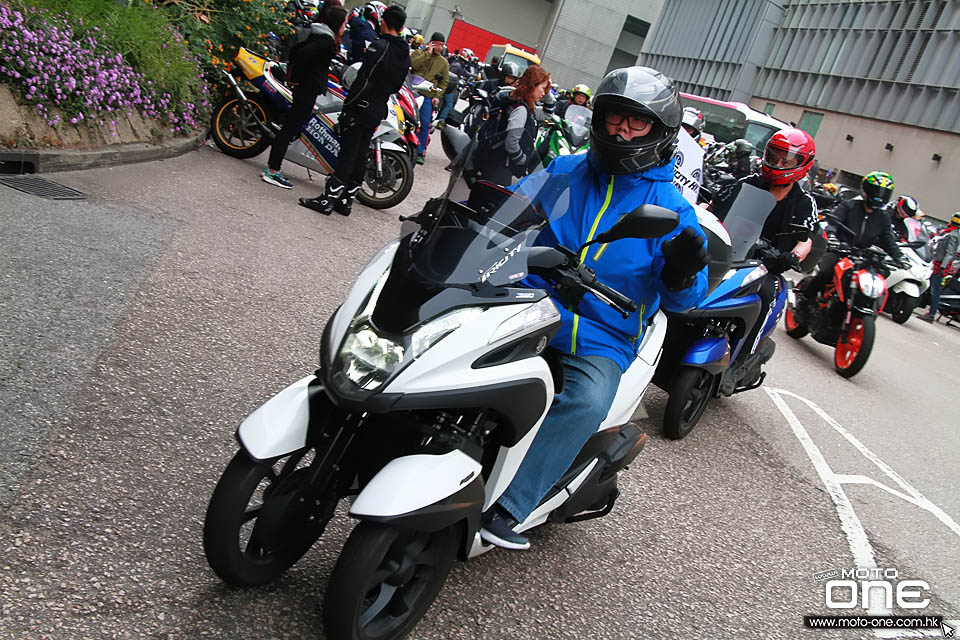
(646, 221)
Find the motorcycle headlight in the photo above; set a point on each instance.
(534, 317)
(758, 272)
(435, 330)
(368, 358)
(870, 284)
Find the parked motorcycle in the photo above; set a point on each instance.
(564, 136)
(699, 360)
(907, 286)
(243, 127)
(434, 379)
(949, 307)
(844, 315)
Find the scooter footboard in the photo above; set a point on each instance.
(279, 426)
(426, 492)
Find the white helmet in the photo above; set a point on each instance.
(693, 118)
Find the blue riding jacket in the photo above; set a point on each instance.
(632, 266)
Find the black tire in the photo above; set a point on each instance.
(396, 182)
(361, 605)
(230, 535)
(689, 394)
(853, 349)
(236, 132)
(904, 308)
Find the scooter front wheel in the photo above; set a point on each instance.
(255, 527)
(385, 580)
(691, 391)
(904, 308)
(392, 186)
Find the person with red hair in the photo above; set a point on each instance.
(506, 145)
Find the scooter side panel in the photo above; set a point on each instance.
(906, 287)
(279, 425)
(413, 482)
(635, 379)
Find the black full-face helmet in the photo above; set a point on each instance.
(639, 90)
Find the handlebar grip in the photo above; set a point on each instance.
(614, 296)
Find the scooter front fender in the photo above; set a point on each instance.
(279, 426)
(426, 492)
(711, 354)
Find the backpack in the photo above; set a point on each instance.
(495, 124)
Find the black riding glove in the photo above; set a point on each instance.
(784, 261)
(684, 256)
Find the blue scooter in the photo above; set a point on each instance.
(703, 342)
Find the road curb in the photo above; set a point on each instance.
(52, 160)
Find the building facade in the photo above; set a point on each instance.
(578, 41)
(877, 83)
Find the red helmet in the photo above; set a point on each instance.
(788, 156)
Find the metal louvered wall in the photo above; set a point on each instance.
(893, 60)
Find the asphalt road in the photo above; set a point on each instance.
(138, 327)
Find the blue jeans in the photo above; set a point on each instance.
(447, 102)
(936, 286)
(590, 384)
(426, 114)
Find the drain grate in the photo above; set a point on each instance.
(37, 186)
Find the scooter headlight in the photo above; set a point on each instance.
(871, 284)
(368, 358)
(435, 330)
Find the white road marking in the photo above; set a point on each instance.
(860, 547)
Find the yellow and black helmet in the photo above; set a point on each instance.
(877, 187)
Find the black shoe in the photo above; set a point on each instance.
(344, 204)
(499, 531)
(332, 192)
(320, 204)
(926, 317)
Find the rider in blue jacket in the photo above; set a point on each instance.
(636, 116)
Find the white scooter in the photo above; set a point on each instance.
(434, 379)
(906, 286)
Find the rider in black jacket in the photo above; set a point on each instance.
(307, 74)
(869, 221)
(384, 69)
(787, 158)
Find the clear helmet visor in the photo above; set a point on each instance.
(780, 158)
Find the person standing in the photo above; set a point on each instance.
(307, 73)
(943, 255)
(430, 65)
(382, 73)
(506, 145)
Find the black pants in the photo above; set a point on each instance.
(824, 275)
(355, 136)
(303, 101)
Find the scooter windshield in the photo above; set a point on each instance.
(744, 221)
(578, 121)
(485, 241)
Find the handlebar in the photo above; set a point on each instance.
(612, 297)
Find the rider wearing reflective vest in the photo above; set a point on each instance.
(637, 115)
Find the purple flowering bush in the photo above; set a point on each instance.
(54, 68)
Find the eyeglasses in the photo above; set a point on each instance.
(634, 121)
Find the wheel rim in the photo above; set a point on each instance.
(236, 127)
(390, 183)
(270, 517)
(697, 399)
(399, 581)
(848, 349)
(789, 320)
